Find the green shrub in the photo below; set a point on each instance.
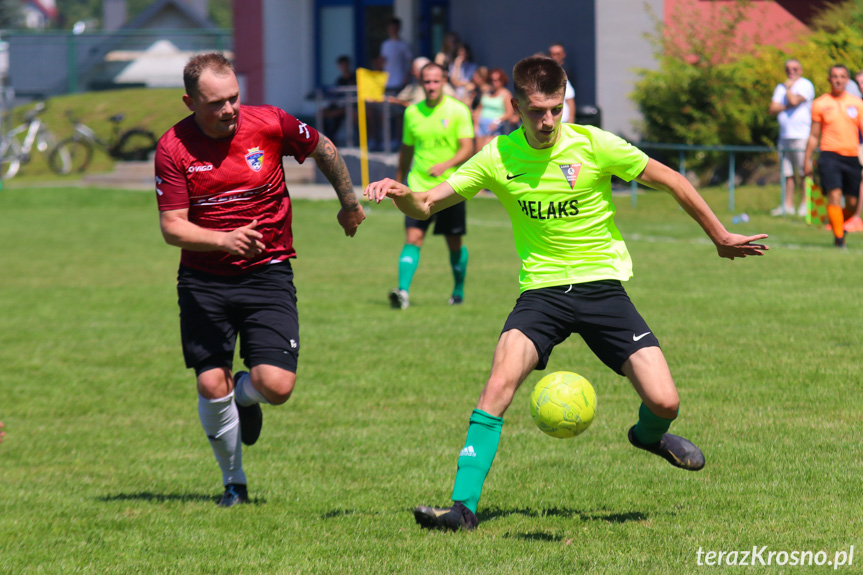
(713, 88)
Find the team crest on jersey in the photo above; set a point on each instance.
(570, 172)
(852, 112)
(444, 122)
(255, 159)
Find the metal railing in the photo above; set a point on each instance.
(346, 97)
(682, 149)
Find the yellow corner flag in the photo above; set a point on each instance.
(370, 88)
(816, 207)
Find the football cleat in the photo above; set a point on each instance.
(854, 224)
(676, 450)
(399, 299)
(839, 243)
(251, 418)
(456, 300)
(446, 518)
(235, 494)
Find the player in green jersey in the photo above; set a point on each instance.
(438, 137)
(555, 181)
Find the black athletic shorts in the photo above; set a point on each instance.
(600, 312)
(841, 172)
(449, 222)
(260, 307)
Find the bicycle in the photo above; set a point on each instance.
(74, 153)
(14, 153)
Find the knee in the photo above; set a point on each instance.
(276, 387)
(666, 405)
(214, 383)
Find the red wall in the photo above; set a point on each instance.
(249, 53)
(770, 22)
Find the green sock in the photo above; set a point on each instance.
(409, 261)
(458, 261)
(475, 459)
(650, 427)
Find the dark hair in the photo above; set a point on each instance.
(842, 66)
(500, 72)
(433, 65)
(538, 75)
(343, 59)
(214, 61)
(396, 21)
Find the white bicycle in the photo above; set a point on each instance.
(17, 145)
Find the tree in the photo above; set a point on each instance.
(11, 15)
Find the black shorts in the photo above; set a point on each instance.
(449, 222)
(842, 172)
(600, 312)
(260, 307)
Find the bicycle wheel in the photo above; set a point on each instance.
(134, 145)
(10, 157)
(70, 155)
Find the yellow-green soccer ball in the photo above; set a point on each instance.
(563, 404)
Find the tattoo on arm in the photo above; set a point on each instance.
(332, 165)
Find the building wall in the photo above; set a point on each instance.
(502, 32)
(288, 53)
(621, 49)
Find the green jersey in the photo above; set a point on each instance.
(434, 134)
(559, 201)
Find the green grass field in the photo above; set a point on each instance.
(105, 468)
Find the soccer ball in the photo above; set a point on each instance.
(563, 404)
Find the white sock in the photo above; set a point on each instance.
(245, 393)
(221, 423)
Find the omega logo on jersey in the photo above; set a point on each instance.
(204, 168)
(255, 159)
(539, 210)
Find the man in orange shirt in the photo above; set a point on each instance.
(837, 119)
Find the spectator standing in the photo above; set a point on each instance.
(495, 109)
(558, 54)
(397, 57)
(792, 105)
(837, 118)
(446, 56)
(462, 69)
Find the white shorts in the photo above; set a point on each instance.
(792, 156)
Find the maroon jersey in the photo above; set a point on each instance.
(227, 183)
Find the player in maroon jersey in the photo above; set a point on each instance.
(223, 199)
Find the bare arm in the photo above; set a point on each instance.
(178, 231)
(419, 205)
(331, 164)
(728, 245)
(775, 107)
(463, 154)
(811, 144)
(406, 156)
(793, 98)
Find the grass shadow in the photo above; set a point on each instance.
(610, 517)
(150, 497)
(337, 513)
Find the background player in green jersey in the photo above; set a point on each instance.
(438, 137)
(555, 182)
